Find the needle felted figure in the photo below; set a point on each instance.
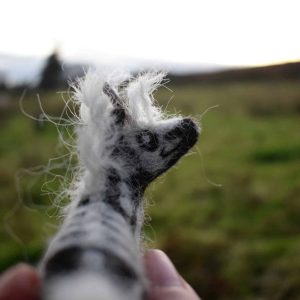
(124, 143)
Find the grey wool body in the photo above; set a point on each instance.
(124, 143)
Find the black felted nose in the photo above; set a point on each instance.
(187, 131)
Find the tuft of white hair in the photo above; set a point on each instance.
(96, 118)
(139, 103)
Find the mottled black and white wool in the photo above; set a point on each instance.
(123, 142)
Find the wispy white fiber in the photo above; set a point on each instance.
(141, 103)
(122, 144)
(95, 109)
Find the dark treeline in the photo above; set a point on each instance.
(288, 71)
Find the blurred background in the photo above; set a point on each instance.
(228, 215)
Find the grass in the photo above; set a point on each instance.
(228, 215)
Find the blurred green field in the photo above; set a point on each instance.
(228, 215)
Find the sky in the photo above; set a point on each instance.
(228, 33)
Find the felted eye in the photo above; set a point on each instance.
(147, 140)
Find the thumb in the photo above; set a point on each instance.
(165, 282)
(20, 282)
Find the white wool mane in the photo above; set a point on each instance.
(96, 118)
(139, 102)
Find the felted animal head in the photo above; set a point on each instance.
(135, 136)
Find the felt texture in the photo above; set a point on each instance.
(124, 142)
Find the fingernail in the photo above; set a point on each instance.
(160, 270)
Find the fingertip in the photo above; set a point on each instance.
(165, 282)
(31, 275)
(20, 282)
(160, 269)
(171, 293)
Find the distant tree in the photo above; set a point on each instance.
(51, 75)
(3, 86)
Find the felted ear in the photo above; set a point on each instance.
(115, 99)
(119, 110)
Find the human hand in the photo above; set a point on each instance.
(22, 282)
(166, 283)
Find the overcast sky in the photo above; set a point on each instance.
(220, 32)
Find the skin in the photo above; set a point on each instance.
(22, 282)
(166, 283)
